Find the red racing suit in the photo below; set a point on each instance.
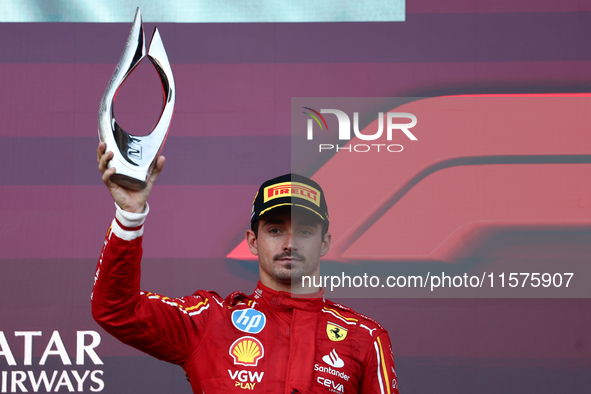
(267, 342)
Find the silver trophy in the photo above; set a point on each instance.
(134, 157)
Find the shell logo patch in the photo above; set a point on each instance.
(335, 332)
(247, 351)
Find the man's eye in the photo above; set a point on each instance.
(274, 231)
(305, 232)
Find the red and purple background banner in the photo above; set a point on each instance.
(232, 130)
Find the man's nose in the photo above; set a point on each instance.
(288, 245)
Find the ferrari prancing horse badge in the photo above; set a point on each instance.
(335, 332)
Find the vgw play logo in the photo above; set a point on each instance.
(391, 119)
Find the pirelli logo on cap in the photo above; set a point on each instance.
(292, 189)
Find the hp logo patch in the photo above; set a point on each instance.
(249, 320)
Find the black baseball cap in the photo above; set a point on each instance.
(292, 190)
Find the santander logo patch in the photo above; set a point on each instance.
(333, 359)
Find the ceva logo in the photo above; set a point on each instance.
(333, 386)
(345, 129)
(249, 320)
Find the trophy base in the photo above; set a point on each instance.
(128, 182)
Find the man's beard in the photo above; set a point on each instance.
(291, 274)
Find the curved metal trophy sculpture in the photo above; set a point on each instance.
(134, 157)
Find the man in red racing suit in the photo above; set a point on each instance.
(272, 341)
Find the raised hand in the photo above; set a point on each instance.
(128, 200)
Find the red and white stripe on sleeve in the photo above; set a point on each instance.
(127, 225)
(380, 374)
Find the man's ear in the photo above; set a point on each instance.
(325, 246)
(251, 240)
